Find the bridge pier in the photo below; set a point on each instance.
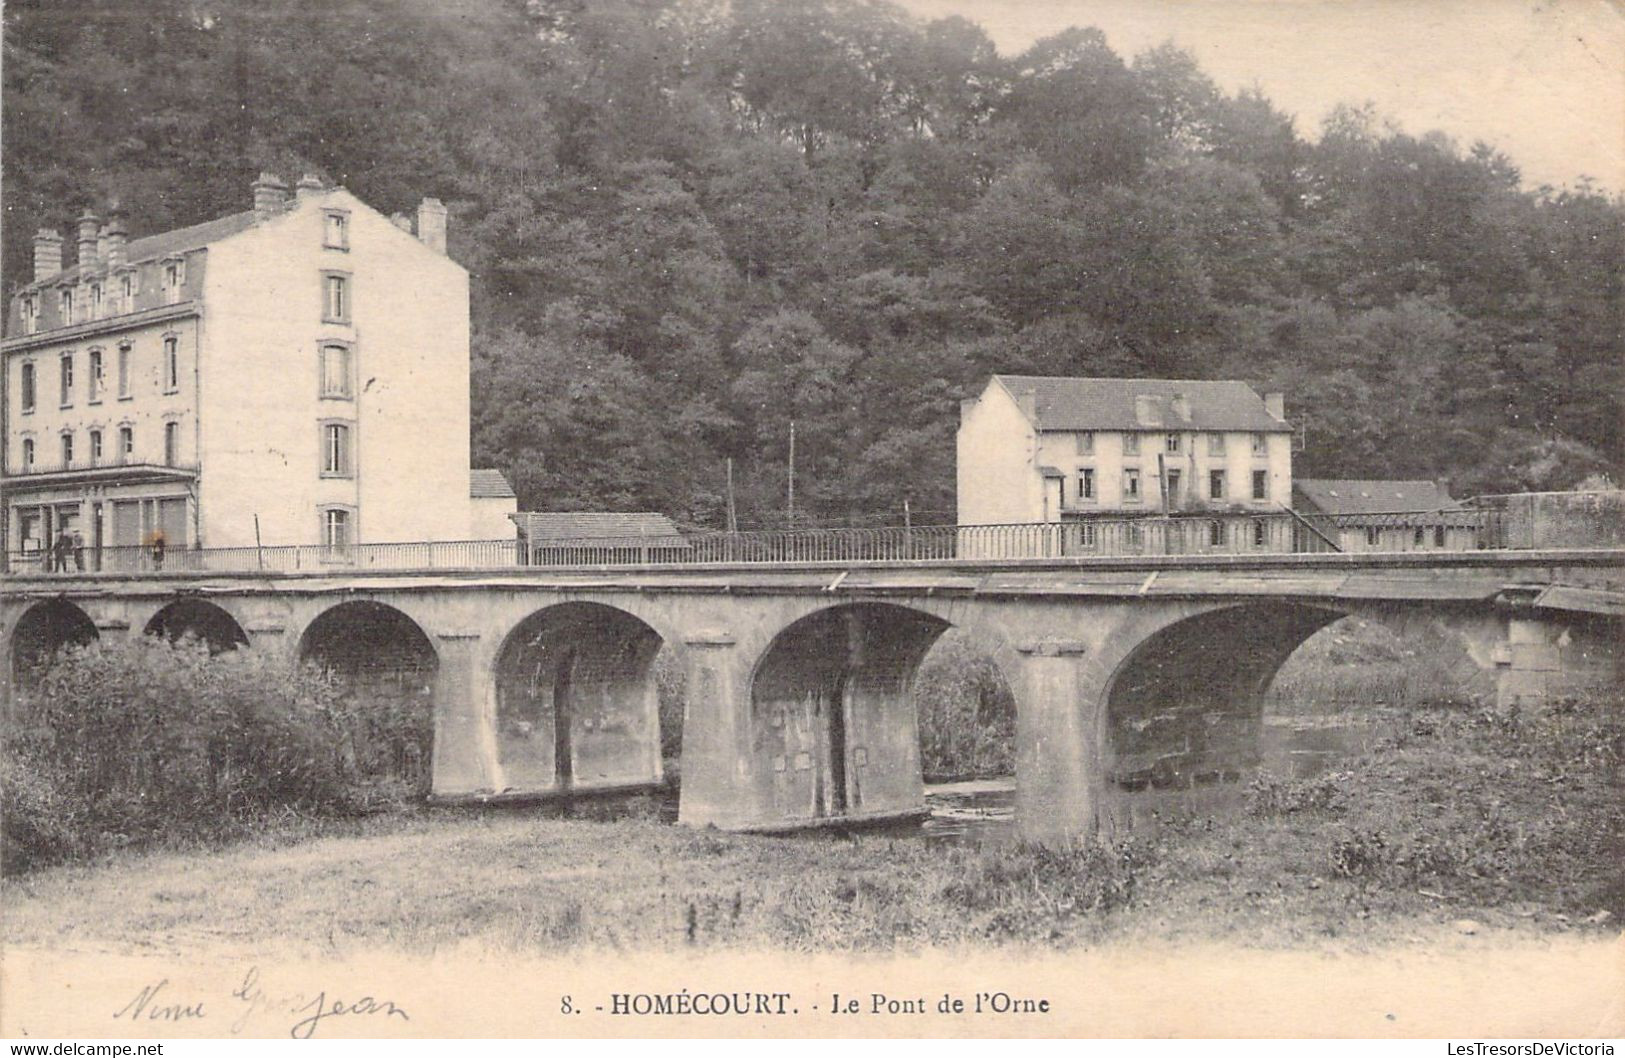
(1546, 659)
(1059, 761)
(716, 748)
(464, 759)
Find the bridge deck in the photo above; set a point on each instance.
(1585, 580)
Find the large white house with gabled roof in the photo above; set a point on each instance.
(1047, 449)
(297, 373)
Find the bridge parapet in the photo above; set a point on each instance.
(1211, 534)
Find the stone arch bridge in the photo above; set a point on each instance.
(1135, 678)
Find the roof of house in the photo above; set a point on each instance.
(1114, 404)
(180, 240)
(608, 528)
(488, 483)
(1347, 496)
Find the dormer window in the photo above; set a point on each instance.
(174, 279)
(95, 301)
(30, 310)
(336, 229)
(127, 292)
(67, 306)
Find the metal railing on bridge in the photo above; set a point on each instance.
(1259, 533)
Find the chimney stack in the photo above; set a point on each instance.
(432, 224)
(1182, 407)
(310, 184)
(1275, 404)
(270, 196)
(89, 234)
(47, 254)
(115, 250)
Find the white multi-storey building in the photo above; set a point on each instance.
(297, 373)
(1044, 449)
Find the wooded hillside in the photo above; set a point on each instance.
(690, 222)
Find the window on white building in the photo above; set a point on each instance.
(172, 363)
(124, 353)
(335, 298)
(67, 379)
(67, 307)
(1261, 484)
(30, 310)
(96, 376)
(336, 454)
(1215, 444)
(95, 446)
(335, 370)
(1086, 443)
(67, 450)
(28, 452)
(1173, 443)
(1215, 485)
(127, 292)
(337, 529)
(1131, 444)
(28, 395)
(1260, 445)
(1131, 485)
(336, 229)
(172, 443)
(1086, 483)
(95, 301)
(126, 443)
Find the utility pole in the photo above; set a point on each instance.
(733, 513)
(791, 505)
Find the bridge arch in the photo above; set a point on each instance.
(833, 732)
(44, 629)
(1184, 708)
(386, 668)
(202, 619)
(576, 700)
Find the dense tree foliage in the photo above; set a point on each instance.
(692, 222)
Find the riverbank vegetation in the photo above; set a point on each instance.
(1455, 814)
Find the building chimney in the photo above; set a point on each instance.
(1182, 407)
(1275, 404)
(47, 254)
(270, 196)
(115, 247)
(1148, 410)
(401, 221)
(90, 227)
(432, 224)
(310, 184)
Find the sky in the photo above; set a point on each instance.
(1541, 80)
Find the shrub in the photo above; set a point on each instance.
(967, 714)
(143, 740)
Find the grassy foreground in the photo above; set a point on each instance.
(1464, 820)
